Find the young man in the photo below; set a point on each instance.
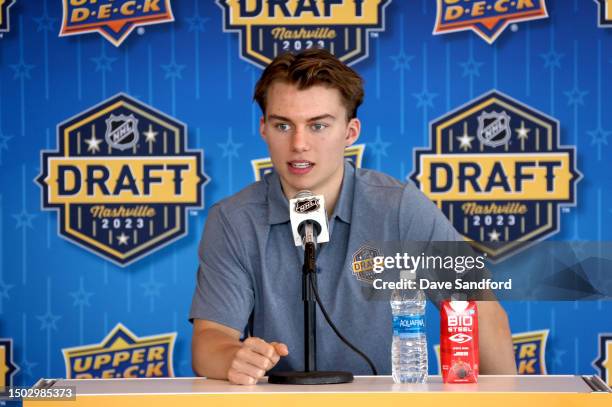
(250, 270)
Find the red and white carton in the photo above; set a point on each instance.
(459, 341)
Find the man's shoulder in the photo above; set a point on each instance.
(252, 198)
(376, 180)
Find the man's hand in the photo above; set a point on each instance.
(254, 359)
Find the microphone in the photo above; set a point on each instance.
(308, 218)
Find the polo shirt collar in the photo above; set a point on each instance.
(278, 205)
(344, 205)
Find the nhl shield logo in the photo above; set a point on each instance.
(121, 131)
(497, 170)
(493, 129)
(307, 205)
(270, 28)
(120, 195)
(487, 18)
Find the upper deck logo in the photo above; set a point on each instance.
(8, 368)
(122, 354)
(263, 166)
(487, 18)
(604, 13)
(603, 363)
(114, 19)
(269, 28)
(120, 194)
(5, 20)
(497, 170)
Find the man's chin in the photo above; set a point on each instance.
(291, 184)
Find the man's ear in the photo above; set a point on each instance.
(353, 129)
(262, 131)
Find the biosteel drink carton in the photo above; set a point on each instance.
(459, 341)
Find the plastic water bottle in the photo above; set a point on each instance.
(409, 346)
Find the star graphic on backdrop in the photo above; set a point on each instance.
(4, 141)
(401, 60)
(103, 62)
(48, 320)
(173, 70)
(150, 135)
(4, 289)
(494, 236)
(21, 70)
(196, 23)
(522, 132)
(465, 141)
(81, 297)
(558, 354)
(44, 23)
(379, 147)
(575, 96)
(151, 288)
(425, 98)
(552, 59)
(123, 239)
(230, 149)
(25, 366)
(93, 144)
(599, 136)
(24, 219)
(471, 67)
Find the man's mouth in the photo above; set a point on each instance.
(301, 164)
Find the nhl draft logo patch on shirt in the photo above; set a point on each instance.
(487, 18)
(113, 19)
(497, 170)
(270, 28)
(362, 265)
(122, 179)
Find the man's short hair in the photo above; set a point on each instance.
(309, 68)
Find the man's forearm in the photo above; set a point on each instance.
(212, 353)
(495, 340)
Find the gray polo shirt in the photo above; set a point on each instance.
(249, 265)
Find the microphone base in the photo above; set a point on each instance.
(310, 377)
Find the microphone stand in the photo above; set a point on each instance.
(310, 375)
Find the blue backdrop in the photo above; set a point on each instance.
(55, 295)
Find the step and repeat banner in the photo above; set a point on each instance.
(122, 122)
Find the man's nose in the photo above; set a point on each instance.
(299, 141)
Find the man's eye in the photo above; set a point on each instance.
(318, 126)
(283, 126)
